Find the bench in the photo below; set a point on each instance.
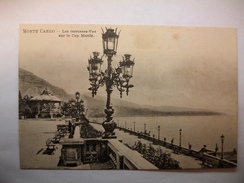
(56, 139)
(50, 145)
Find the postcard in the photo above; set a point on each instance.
(126, 97)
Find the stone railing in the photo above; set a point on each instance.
(208, 159)
(125, 158)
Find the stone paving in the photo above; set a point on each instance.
(35, 132)
(33, 136)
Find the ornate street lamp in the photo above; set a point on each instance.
(222, 147)
(79, 104)
(111, 77)
(77, 96)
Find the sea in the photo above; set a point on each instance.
(196, 130)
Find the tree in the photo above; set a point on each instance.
(24, 109)
(72, 108)
(21, 105)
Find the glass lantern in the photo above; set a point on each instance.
(77, 95)
(110, 41)
(94, 66)
(127, 66)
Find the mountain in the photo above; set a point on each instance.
(131, 109)
(32, 85)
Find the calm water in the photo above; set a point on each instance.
(198, 130)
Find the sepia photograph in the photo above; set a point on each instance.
(127, 97)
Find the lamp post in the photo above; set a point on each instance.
(77, 96)
(79, 104)
(180, 137)
(118, 77)
(125, 124)
(158, 133)
(145, 128)
(134, 127)
(222, 147)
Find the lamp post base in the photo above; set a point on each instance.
(109, 129)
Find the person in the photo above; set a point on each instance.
(69, 127)
(216, 149)
(189, 145)
(61, 161)
(164, 140)
(172, 143)
(203, 149)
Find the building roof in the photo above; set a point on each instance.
(46, 95)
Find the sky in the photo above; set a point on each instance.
(192, 67)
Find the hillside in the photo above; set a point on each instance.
(32, 85)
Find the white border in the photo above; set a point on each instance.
(210, 13)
